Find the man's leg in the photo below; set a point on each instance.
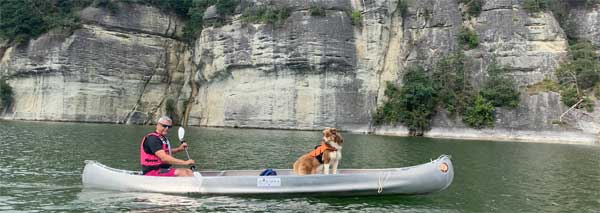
(181, 172)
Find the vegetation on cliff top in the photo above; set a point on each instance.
(266, 15)
(27, 19)
(21, 21)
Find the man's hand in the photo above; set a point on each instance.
(190, 162)
(181, 147)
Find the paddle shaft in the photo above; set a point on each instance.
(193, 167)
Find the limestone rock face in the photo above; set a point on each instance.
(134, 18)
(586, 23)
(300, 75)
(114, 67)
(308, 72)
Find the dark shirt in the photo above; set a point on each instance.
(151, 146)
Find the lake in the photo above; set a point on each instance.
(41, 165)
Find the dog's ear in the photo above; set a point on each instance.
(325, 131)
(339, 139)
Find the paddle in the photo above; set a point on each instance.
(181, 133)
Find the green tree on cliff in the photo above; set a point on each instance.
(413, 105)
(27, 19)
(499, 89)
(579, 76)
(451, 82)
(6, 94)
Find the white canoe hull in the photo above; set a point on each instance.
(420, 179)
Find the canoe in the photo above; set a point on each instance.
(420, 179)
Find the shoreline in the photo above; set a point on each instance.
(502, 135)
(505, 135)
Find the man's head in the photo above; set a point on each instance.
(163, 125)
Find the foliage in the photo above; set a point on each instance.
(498, 89)
(580, 74)
(402, 8)
(108, 4)
(534, 6)
(451, 83)
(6, 94)
(597, 94)
(544, 86)
(413, 105)
(570, 96)
(316, 10)
(266, 14)
(587, 104)
(192, 11)
(193, 26)
(170, 108)
(473, 7)
(389, 112)
(356, 18)
(226, 7)
(24, 20)
(468, 38)
(479, 114)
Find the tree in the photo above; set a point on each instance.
(578, 76)
(499, 89)
(413, 105)
(6, 94)
(450, 80)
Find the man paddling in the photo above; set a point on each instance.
(156, 153)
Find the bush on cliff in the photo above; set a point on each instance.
(468, 39)
(451, 81)
(413, 105)
(534, 6)
(317, 10)
(500, 90)
(473, 7)
(402, 8)
(266, 15)
(598, 91)
(479, 114)
(356, 18)
(6, 94)
(579, 75)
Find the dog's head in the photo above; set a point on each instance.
(332, 134)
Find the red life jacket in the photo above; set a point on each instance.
(152, 160)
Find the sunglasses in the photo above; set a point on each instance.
(166, 126)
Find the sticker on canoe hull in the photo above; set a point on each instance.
(443, 167)
(268, 182)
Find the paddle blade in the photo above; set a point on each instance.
(181, 133)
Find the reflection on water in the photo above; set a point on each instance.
(41, 166)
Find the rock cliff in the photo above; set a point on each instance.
(309, 72)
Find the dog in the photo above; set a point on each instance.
(328, 153)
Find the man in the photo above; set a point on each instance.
(156, 153)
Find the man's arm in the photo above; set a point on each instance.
(165, 158)
(180, 148)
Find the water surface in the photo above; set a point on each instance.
(41, 165)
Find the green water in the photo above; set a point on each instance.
(41, 164)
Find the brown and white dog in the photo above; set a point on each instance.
(328, 153)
